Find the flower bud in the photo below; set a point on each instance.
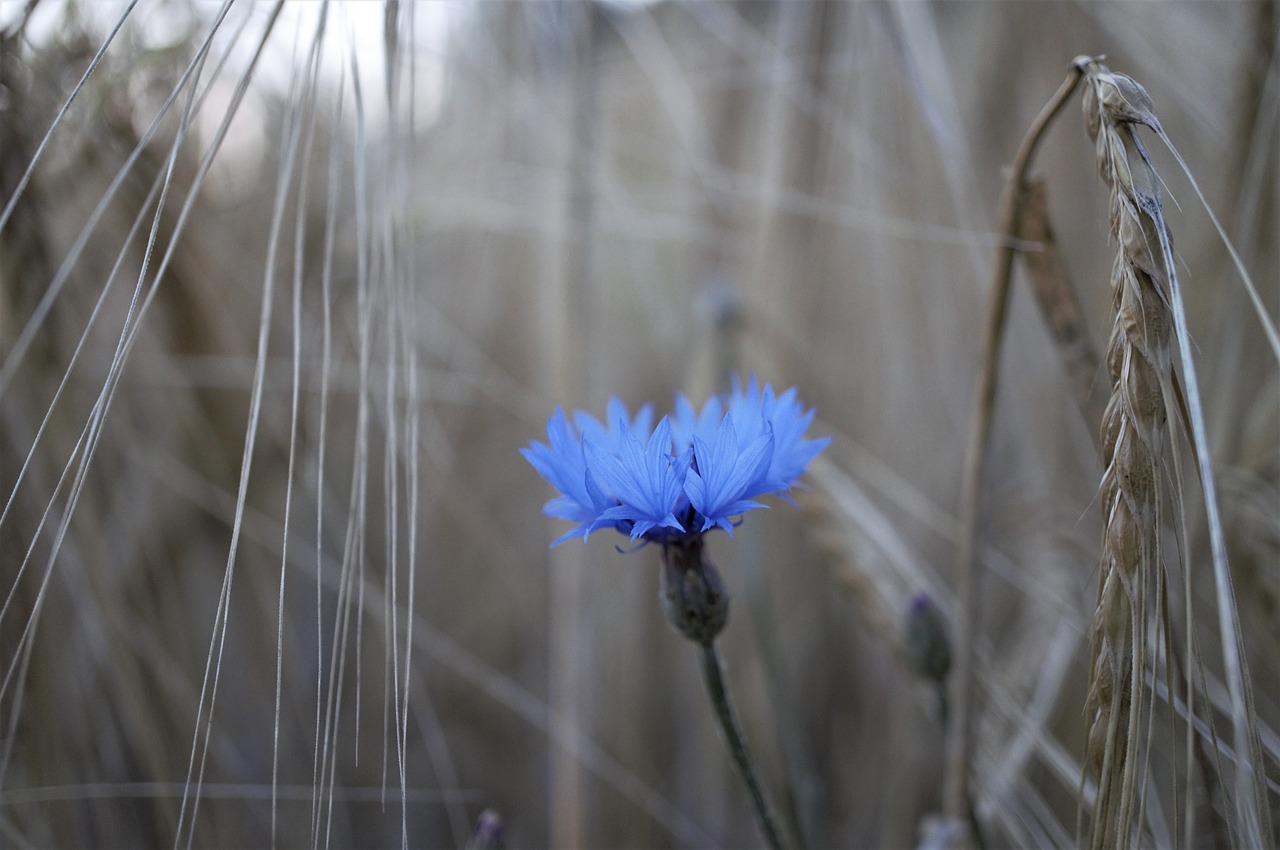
(926, 643)
(488, 834)
(692, 594)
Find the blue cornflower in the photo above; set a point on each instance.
(695, 471)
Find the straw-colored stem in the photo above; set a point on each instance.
(737, 742)
(956, 785)
(575, 238)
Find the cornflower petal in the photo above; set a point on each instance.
(789, 420)
(745, 405)
(609, 434)
(756, 411)
(726, 474)
(646, 479)
(562, 462)
(688, 421)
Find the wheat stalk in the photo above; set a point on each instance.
(956, 792)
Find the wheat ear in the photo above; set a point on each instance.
(1149, 321)
(1134, 432)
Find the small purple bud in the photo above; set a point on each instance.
(926, 642)
(488, 832)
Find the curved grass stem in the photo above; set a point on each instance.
(956, 780)
(728, 721)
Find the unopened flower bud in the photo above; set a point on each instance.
(693, 595)
(488, 834)
(926, 643)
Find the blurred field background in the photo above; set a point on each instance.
(273, 570)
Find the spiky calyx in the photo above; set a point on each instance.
(693, 594)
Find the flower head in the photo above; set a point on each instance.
(695, 471)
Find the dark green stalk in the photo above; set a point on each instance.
(738, 745)
(696, 603)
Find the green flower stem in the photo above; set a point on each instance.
(738, 744)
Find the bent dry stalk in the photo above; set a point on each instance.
(956, 794)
